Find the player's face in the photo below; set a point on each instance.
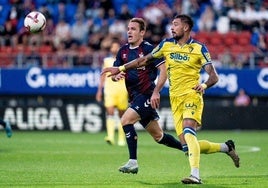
(178, 29)
(135, 35)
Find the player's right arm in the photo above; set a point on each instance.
(100, 87)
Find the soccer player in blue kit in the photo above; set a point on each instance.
(143, 93)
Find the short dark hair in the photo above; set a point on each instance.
(141, 22)
(116, 40)
(185, 19)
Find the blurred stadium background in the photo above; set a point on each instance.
(48, 80)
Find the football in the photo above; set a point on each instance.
(35, 22)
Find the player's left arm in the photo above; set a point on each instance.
(210, 70)
(213, 75)
(162, 77)
(139, 62)
(212, 79)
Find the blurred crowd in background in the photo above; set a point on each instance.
(80, 32)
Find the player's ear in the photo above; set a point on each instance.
(186, 27)
(142, 32)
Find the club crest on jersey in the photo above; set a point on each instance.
(191, 49)
(179, 57)
(124, 56)
(141, 54)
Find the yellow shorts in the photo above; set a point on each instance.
(118, 100)
(189, 106)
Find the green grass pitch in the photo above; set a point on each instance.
(64, 159)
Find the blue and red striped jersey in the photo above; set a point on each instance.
(140, 80)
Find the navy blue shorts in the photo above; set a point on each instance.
(141, 104)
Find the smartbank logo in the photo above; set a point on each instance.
(35, 78)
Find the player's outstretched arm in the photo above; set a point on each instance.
(119, 76)
(139, 62)
(112, 70)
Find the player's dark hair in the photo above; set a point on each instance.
(141, 22)
(116, 40)
(185, 19)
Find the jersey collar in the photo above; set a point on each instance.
(189, 41)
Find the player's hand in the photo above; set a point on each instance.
(99, 96)
(155, 100)
(119, 76)
(112, 70)
(199, 88)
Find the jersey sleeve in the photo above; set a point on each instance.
(118, 61)
(156, 60)
(105, 62)
(157, 52)
(205, 59)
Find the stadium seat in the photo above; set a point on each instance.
(243, 38)
(245, 34)
(49, 62)
(215, 41)
(249, 48)
(243, 41)
(44, 49)
(215, 38)
(216, 50)
(202, 37)
(83, 49)
(230, 38)
(6, 60)
(246, 50)
(229, 41)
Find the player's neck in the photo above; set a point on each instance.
(183, 40)
(136, 44)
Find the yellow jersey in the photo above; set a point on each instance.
(109, 85)
(183, 63)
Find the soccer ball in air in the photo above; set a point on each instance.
(35, 22)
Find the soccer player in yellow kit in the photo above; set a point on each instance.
(115, 98)
(185, 57)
